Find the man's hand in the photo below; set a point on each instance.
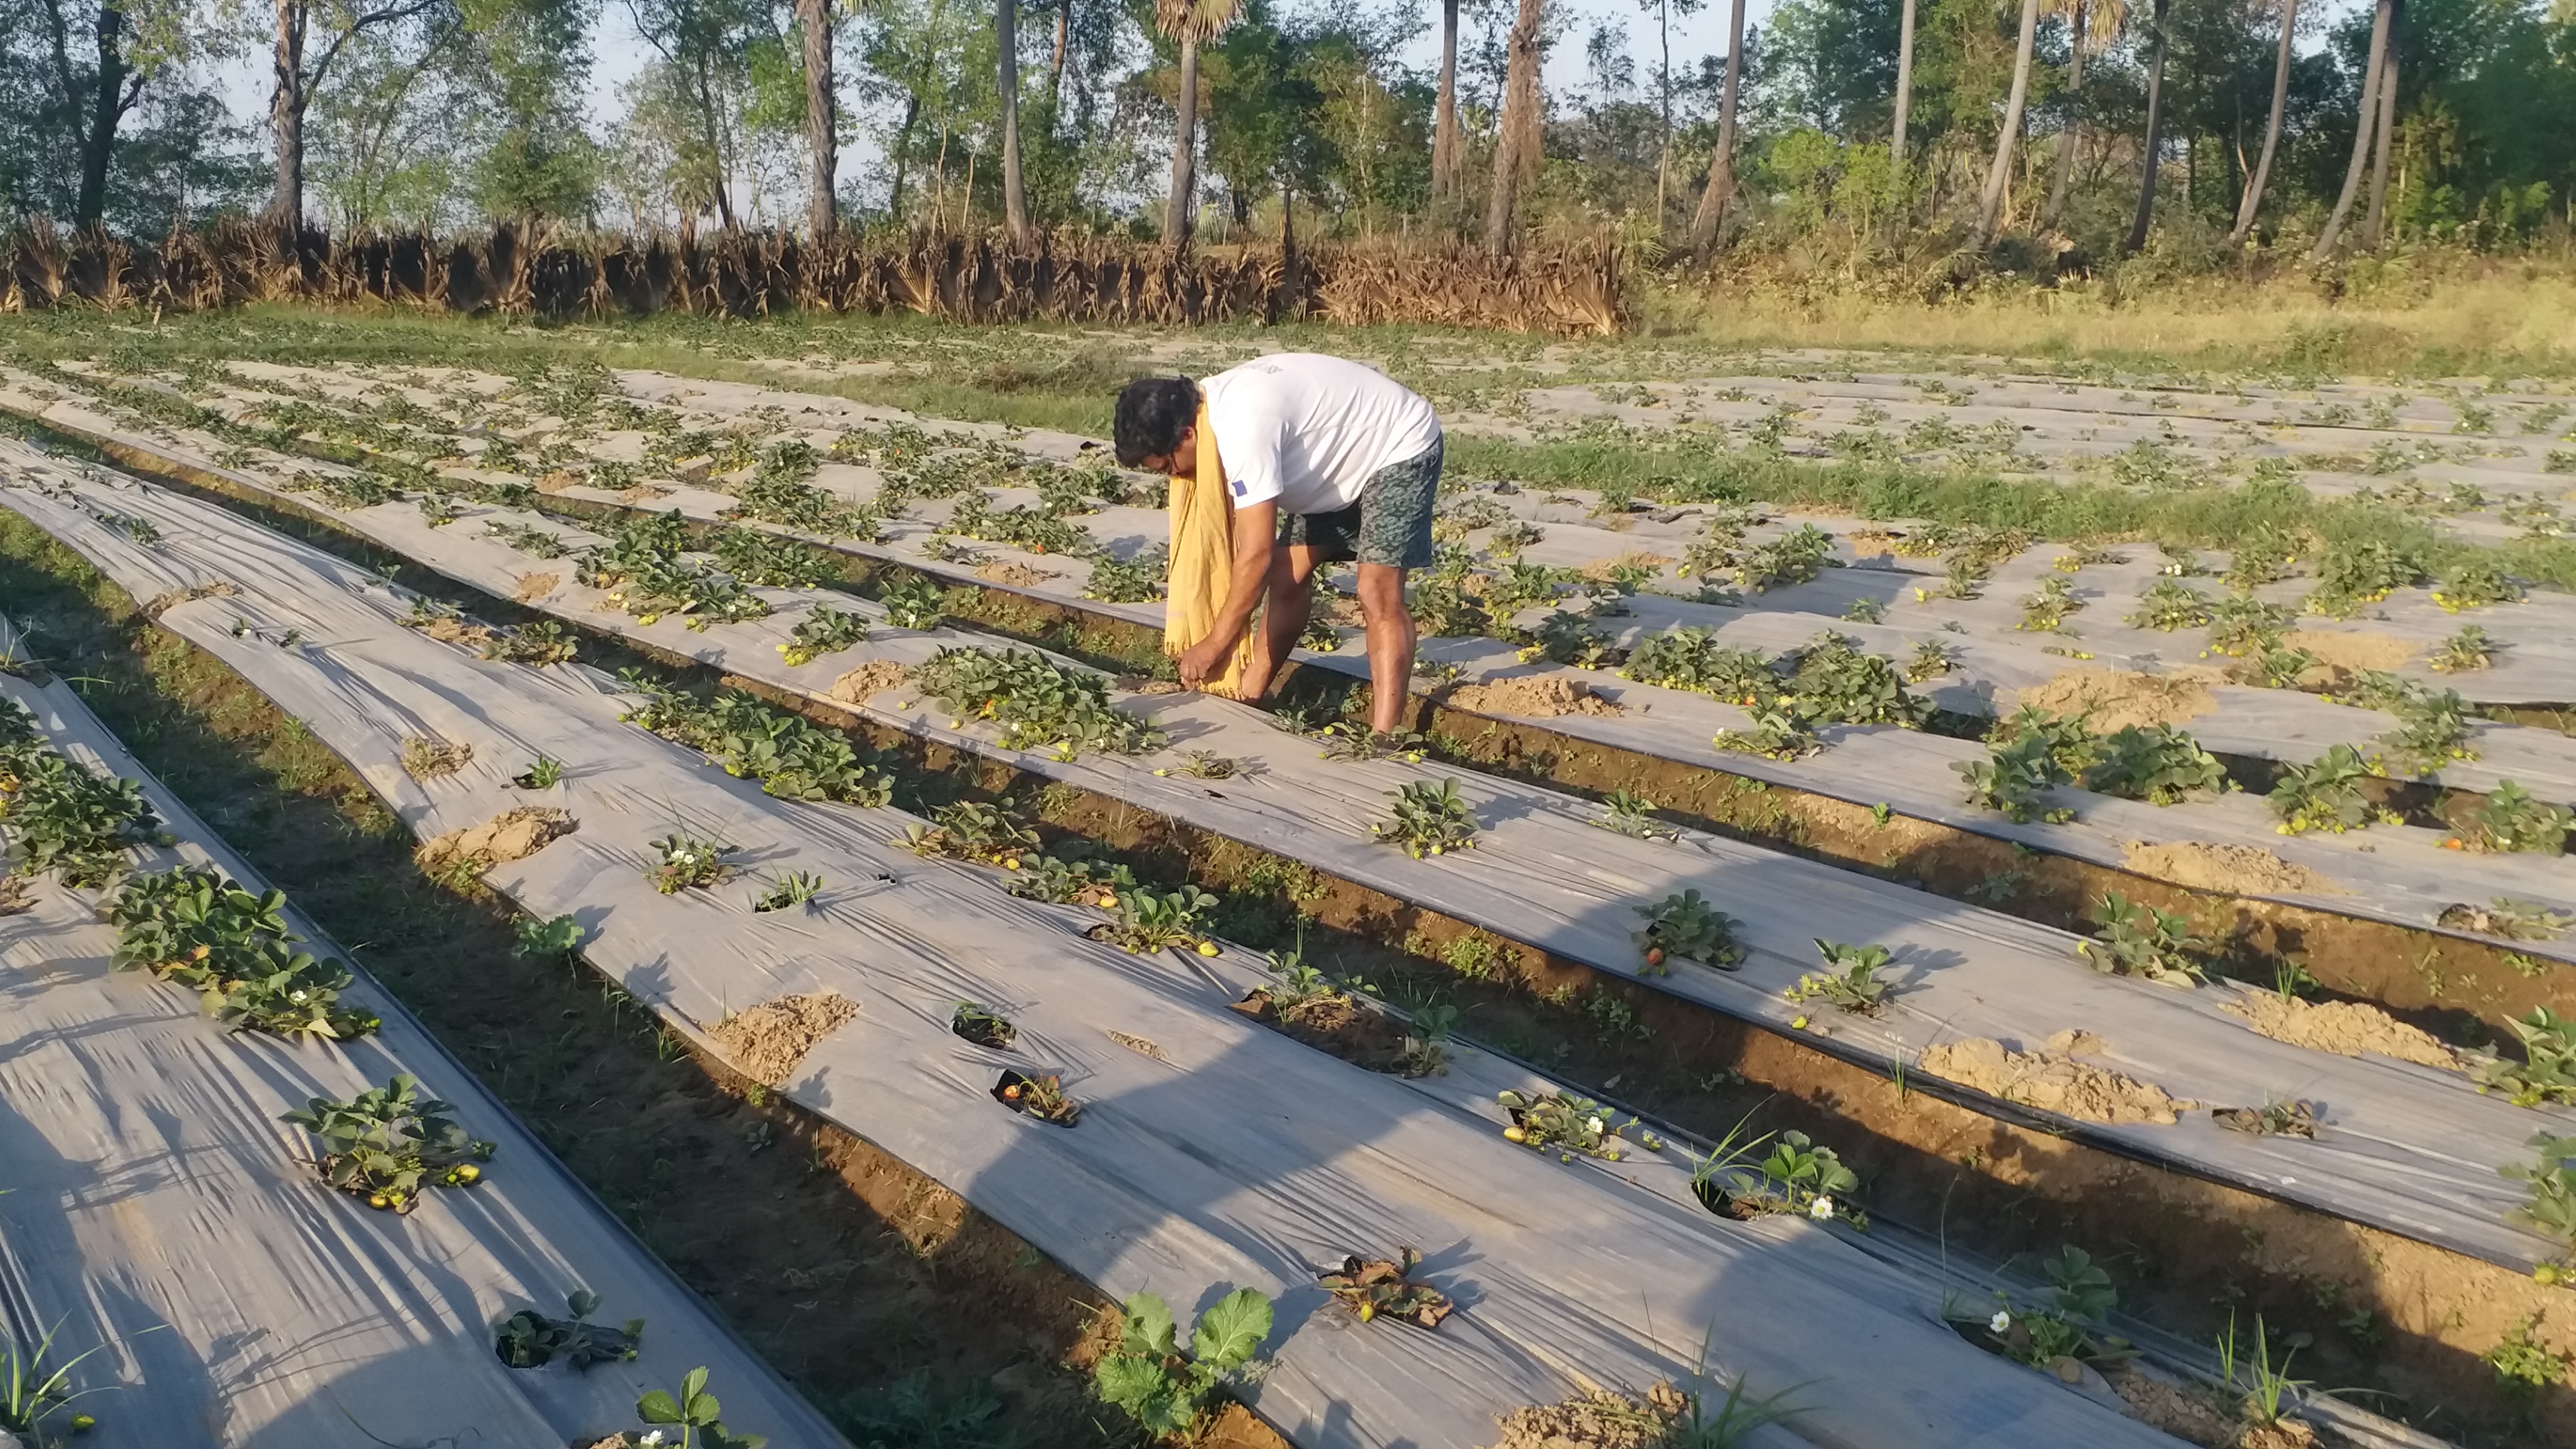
(1205, 660)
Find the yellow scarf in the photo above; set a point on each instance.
(1202, 568)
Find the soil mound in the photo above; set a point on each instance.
(2233, 869)
(869, 680)
(2345, 1028)
(2052, 1080)
(1600, 1420)
(766, 1042)
(533, 587)
(449, 629)
(2116, 698)
(510, 835)
(2173, 1409)
(1534, 696)
(2352, 650)
(1013, 572)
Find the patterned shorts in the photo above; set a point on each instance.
(1391, 524)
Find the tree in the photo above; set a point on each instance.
(2100, 35)
(77, 73)
(1188, 24)
(1444, 123)
(1517, 134)
(1999, 175)
(1904, 88)
(822, 119)
(2365, 120)
(2374, 227)
(1710, 219)
(1664, 11)
(2154, 149)
(2252, 202)
(1006, 37)
(706, 44)
(295, 81)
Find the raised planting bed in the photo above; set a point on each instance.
(1167, 1182)
(1266, 759)
(176, 1251)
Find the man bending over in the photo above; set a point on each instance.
(1325, 461)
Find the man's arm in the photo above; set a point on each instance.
(1256, 535)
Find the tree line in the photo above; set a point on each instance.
(1838, 133)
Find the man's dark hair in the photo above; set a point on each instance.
(1153, 412)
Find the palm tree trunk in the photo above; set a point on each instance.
(2066, 143)
(1444, 116)
(822, 135)
(286, 115)
(1176, 212)
(2374, 227)
(1006, 38)
(2247, 209)
(903, 155)
(1711, 217)
(2365, 120)
(2146, 212)
(1904, 86)
(2000, 173)
(1664, 100)
(1055, 64)
(1514, 151)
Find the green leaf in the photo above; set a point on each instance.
(1232, 1329)
(1129, 1381)
(703, 1409)
(657, 1407)
(1150, 1330)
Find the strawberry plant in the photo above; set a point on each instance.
(764, 560)
(384, 1143)
(60, 815)
(1564, 637)
(1686, 658)
(1565, 1124)
(1633, 815)
(196, 928)
(1203, 765)
(2547, 1072)
(1035, 701)
(553, 939)
(1138, 580)
(2170, 604)
(1381, 1288)
(823, 630)
(1145, 921)
(2045, 611)
(1165, 1390)
(1041, 1097)
(1428, 819)
(1850, 981)
(1686, 926)
(2552, 1205)
(1348, 741)
(2354, 573)
(528, 1339)
(2033, 753)
(541, 643)
(912, 602)
(2475, 584)
(789, 891)
(1797, 1176)
(1931, 659)
(2068, 1323)
(2511, 820)
(2432, 732)
(2241, 624)
(1774, 736)
(2470, 649)
(697, 1415)
(1830, 679)
(527, 539)
(685, 862)
(2140, 940)
(543, 773)
(983, 1026)
(1795, 557)
(971, 830)
(2325, 794)
(2159, 764)
(2512, 919)
(1062, 882)
(2272, 1119)
(793, 758)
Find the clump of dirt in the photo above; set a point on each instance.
(449, 629)
(1872, 543)
(2052, 1080)
(1638, 558)
(2345, 1028)
(1344, 611)
(1856, 825)
(2346, 652)
(2232, 869)
(1013, 572)
(766, 1042)
(559, 480)
(642, 491)
(2174, 1409)
(1335, 1025)
(1139, 684)
(424, 758)
(2281, 1434)
(2118, 697)
(1532, 696)
(161, 604)
(868, 680)
(533, 587)
(1598, 1420)
(510, 835)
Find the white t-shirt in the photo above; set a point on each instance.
(1311, 430)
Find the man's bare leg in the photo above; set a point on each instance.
(1284, 610)
(1391, 639)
